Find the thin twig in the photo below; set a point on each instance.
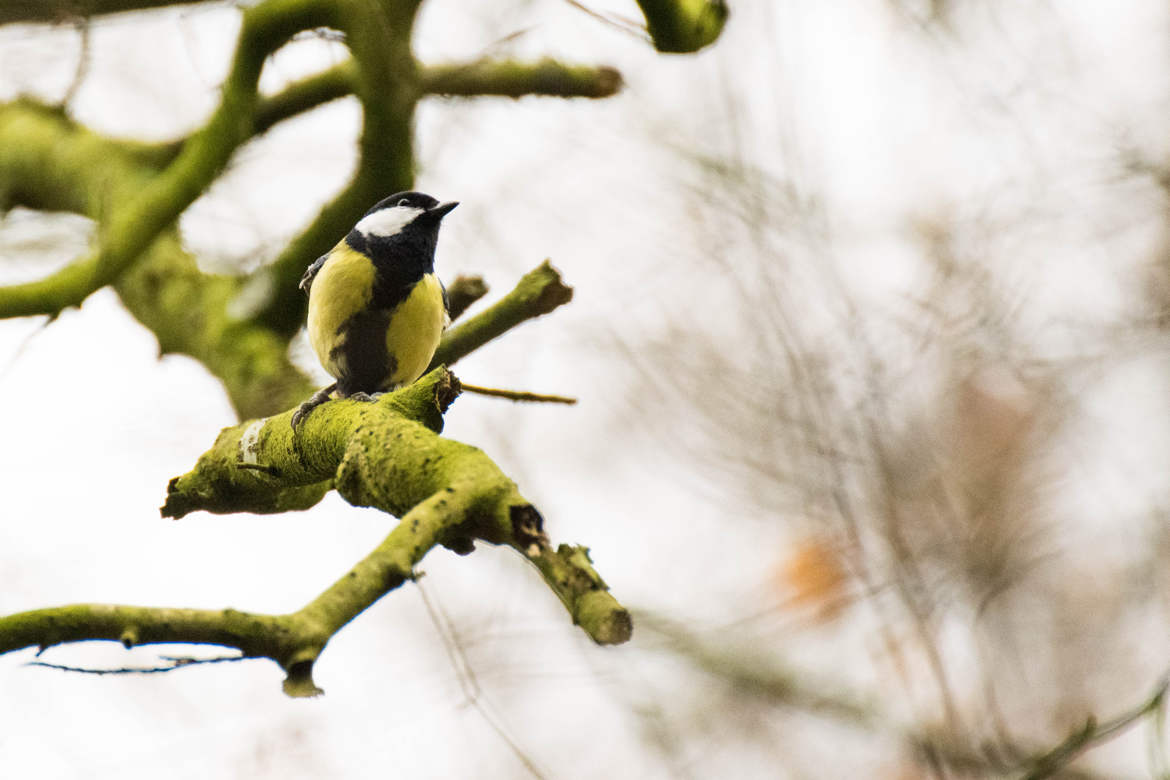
(176, 662)
(83, 59)
(468, 683)
(627, 26)
(1093, 733)
(518, 395)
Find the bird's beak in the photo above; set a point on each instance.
(440, 211)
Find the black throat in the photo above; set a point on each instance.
(399, 261)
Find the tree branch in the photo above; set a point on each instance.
(463, 292)
(56, 11)
(506, 79)
(517, 79)
(1092, 734)
(519, 395)
(305, 95)
(538, 292)
(387, 455)
(49, 162)
(140, 215)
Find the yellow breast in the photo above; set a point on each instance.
(342, 287)
(416, 326)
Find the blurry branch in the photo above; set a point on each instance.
(83, 58)
(538, 292)
(49, 162)
(463, 292)
(674, 25)
(1093, 734)
(136, 219)
(759, 676)
(382, 74)
(517, 79)
(683, 26)
(765, 679)
(305, 95)
(506, 79)
(56, 11)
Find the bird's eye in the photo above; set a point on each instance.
(404, 202)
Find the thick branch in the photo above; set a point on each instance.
(538, 292)
(389, 455)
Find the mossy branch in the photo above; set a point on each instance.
(547, 78)
(133, 222)
(386, 455)
(389, 455)
(538, 292)
(518, 79)
(49, 162)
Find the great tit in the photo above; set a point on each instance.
(376, 308)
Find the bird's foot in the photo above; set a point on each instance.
(365, 397)
(318, 398)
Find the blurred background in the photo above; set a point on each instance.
(870, 341)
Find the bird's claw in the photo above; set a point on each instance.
(318, 398)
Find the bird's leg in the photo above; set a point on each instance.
(318, 398)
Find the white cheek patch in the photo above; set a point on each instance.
(387, 222)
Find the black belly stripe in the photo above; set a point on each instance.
(366, 366)
(400, 261)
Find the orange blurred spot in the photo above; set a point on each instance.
(815, 577)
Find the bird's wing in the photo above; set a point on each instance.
(311, 271)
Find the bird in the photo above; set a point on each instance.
(376, 308)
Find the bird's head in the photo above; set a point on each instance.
(403, 213)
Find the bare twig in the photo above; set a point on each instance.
(1093, 734)
(173, 663)
(518, 395)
